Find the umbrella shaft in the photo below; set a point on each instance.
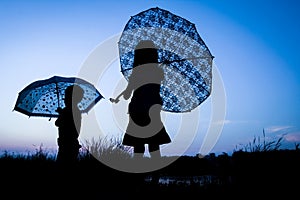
(180, 60)
(57, 93)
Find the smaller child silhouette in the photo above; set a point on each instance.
(69, 124)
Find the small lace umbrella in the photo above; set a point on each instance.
(43, 97)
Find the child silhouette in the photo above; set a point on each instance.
(69, 124)
(145, 125)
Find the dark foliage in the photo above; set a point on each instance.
(251, 173)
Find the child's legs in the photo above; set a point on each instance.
(154, 150)
(139, 150)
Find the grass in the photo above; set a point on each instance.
(262, 144)
(252, 168)
(106, 148)
(40, 155)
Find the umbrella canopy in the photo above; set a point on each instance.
(183, 55)
(43, 97)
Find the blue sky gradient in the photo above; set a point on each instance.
(255, 44)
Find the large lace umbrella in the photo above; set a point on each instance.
(183, 55)
(43, 97)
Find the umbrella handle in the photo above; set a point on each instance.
(116, 100)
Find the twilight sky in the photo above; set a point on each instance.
(256, 69)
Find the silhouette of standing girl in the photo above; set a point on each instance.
(69, 124)
(145, 125)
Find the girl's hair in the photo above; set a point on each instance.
(145, 52)
(74, 92)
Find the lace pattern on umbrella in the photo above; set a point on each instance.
(186, 60)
